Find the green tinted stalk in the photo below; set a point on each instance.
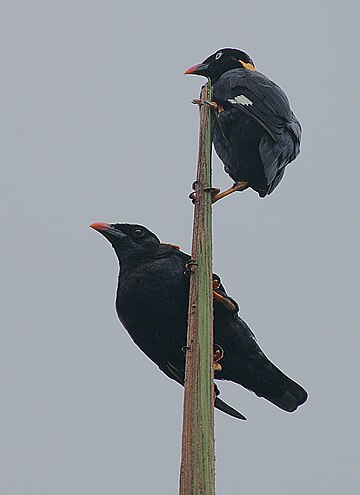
(197, 476)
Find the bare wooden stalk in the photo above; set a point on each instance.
(197, 475)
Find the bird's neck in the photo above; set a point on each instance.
(130, 263)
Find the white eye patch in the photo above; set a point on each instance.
(240, 100)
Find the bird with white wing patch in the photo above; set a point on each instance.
(256, 134)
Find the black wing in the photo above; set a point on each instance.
(245, 363)
(253, 94)
(257, 96)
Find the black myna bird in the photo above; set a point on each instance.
(152, 302)
(256, 133)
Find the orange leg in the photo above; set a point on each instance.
(238, 186)
(225, 302)
(218, 355)
(212, 104)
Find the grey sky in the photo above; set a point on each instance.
(97, 125)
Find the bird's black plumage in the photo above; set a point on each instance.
(152, 302)
(256, 133)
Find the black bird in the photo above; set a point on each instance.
(152, 302)
(256, 134)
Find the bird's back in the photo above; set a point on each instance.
(257, 134)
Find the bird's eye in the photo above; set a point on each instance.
(138, 232)
(218, 55)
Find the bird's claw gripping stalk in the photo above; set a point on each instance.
(192, 196)
(218, 355)
(215, 106)
(194, 185)
(212, 104)
(216, 281)
(226, 301)
(189, 267)
(213, 190)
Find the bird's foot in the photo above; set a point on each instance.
(227, 302)
(218, 355)
(216, 281)
(192, 195)
(215, 106)
(214, 191)
(238, 186)
(189, 267)
(212, 104)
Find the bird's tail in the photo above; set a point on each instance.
(222, 406)
(294, 395)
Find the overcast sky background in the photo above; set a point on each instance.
(96, 125)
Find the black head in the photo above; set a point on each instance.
(129, 241)
(221, 61)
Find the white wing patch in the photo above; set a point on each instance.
(240, 100)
